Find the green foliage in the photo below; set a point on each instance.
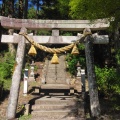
(73, 59)
(63, 8)
(31, 13)
(81, 46)
(66, 34)
(6, 68)
(85, 9)
(43, 32)
(96, 9)
(6, 65)
(108, 80)
(25, 117)
(117, 56)
(1, 83)
(35, 68)
(6, 83)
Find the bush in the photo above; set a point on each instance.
(73, 59)
(108, 80)
(6, 68)
(6, 65)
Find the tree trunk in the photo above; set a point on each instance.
(93, 92)
(3, 8)
(37, 12)
(14, 91)
(11, 8)
(25, 9)
(21, 3)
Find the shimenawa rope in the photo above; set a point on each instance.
(46, 49)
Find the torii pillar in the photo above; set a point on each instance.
(14, 91)
(93, 90)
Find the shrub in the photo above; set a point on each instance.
(108, 80)
(73, 59)
(6, 67)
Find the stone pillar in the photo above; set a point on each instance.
(27, 109)
(11, 45)
(14, 91)
(93, 91)
(25, 88)
(55, 37)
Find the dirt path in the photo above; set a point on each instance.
(21, 101)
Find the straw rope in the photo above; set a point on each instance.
(46, 49)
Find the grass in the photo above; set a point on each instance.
(25, 117)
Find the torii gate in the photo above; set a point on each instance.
(55, 26)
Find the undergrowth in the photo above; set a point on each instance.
(6, 68)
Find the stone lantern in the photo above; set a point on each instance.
(32, 75)
(78, 70)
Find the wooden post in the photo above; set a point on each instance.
(93, 91)
(14, 91)
(25, 88)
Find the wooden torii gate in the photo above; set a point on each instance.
(55, 26)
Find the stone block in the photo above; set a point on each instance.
(27, 109)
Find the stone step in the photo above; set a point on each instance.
(51, 72)
(59, 81)
(55, 86)
(51, 68)
(51, 75)
(57, 118)
(55, 102)
(54, 113)
(61, 78)
(48, 100)
(53, 107)
(61, 74)
(52, 65)
(56, 81)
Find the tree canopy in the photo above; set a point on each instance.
(95, 9)
(63, 9)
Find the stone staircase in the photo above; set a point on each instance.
(57, 108)
(56, 99)
(55, 73)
